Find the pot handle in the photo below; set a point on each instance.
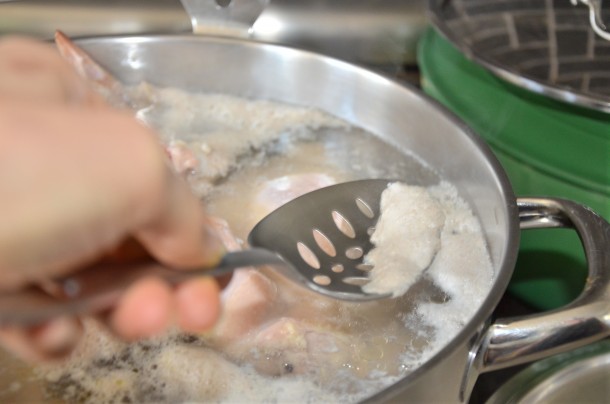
(232, 18)
(513, 341)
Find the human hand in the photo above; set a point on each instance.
(77, 178)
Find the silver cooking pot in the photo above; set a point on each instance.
(411, 123)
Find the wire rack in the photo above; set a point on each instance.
(546, 46)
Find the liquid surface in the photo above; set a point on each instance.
(277, 342)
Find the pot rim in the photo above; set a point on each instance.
(472, 330)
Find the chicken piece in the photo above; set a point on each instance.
(182, 157)
(247, 302)
(263, 312)
(279, 191)
(247, 298)
(291, 346)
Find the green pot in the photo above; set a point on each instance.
(548, 148)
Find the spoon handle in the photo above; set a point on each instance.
(99, 287)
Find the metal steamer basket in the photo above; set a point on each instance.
(547, 47)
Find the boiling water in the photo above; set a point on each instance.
(291, 345)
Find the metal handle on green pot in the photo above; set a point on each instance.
(232, 18)
(513, 341)
(595, 17)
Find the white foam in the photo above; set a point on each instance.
(337, 352)
(406, 238)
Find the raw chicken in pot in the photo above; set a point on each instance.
(243, 158)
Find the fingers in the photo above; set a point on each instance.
(198, 304)
(144, 310)
(50, 341)
(150, 306)
(33, 71)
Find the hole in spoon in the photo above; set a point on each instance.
(365, 267)
(308, 256)
(321, 280)
(223, 3)
(354, 253)
(365, 208)
(324, 243)
(343, 224)
(337, 268)
(356, 280)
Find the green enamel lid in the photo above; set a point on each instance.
(560, 140)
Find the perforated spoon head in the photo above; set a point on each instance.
(324, 236)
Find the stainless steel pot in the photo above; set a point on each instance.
(410, 122)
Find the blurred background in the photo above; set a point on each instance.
(372, 32)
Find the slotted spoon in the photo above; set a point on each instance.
(318, 240)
